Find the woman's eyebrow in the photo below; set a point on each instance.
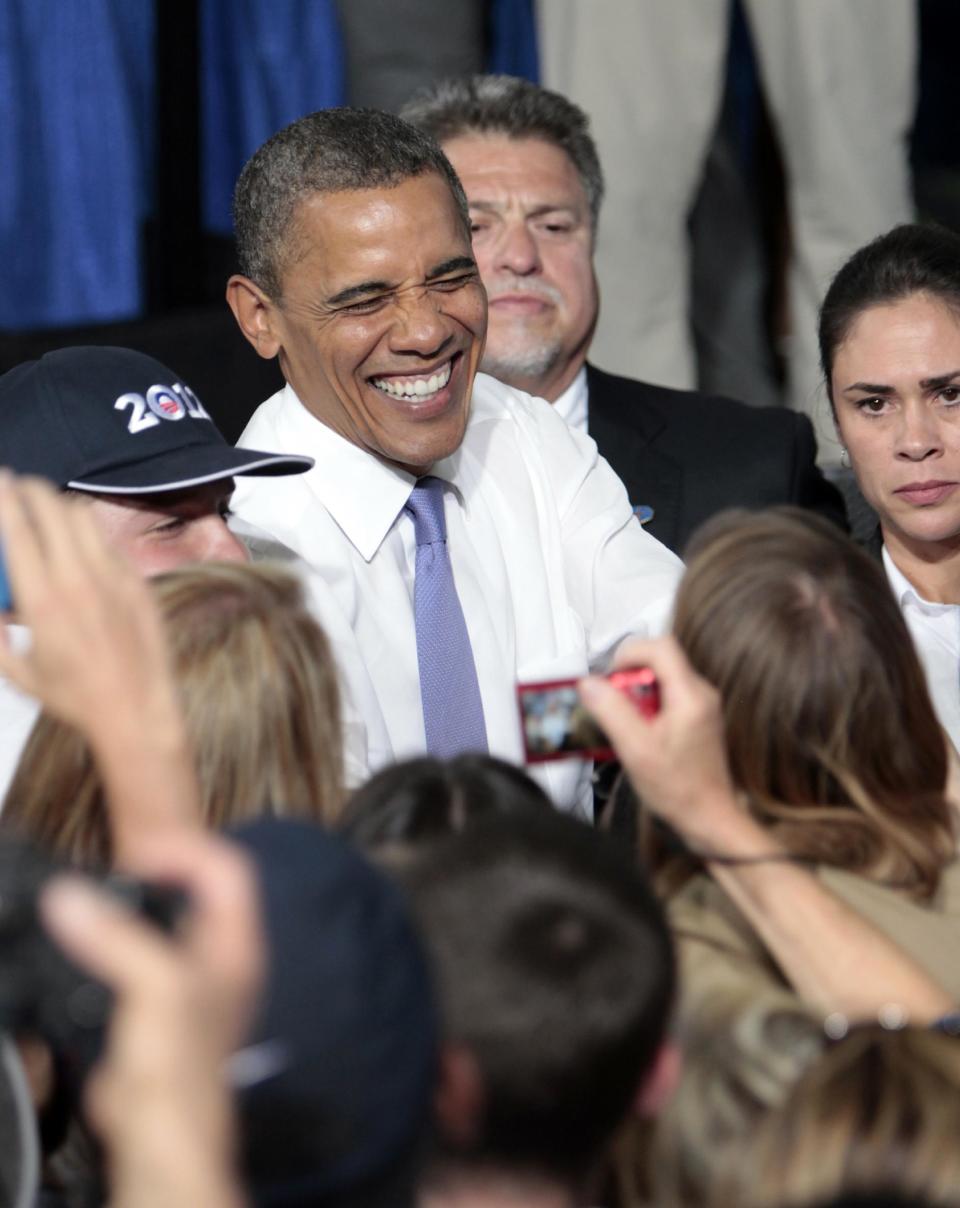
(942, 379)
(869, 388)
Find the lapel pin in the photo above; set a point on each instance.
(643, 512)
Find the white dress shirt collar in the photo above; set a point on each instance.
(906, 593)
(935, 629)
(572, 404)
(363, 494)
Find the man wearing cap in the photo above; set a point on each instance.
(121, 428)
(125, 432)
(471, 537)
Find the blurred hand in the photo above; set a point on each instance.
(97, 660)
(158, 1099)
(98, 647)
(676, 760)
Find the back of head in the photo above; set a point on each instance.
(331, 151)
(914, 258)
(502, 104)
(556, 975)
(259, 691)
(423, 800)
(338, 1076)
(742, 1055)
(879, 1112)
(829, 727)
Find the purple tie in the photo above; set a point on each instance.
(449, 692)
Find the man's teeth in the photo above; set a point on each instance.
(409, 388)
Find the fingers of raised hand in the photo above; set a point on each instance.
(53, 549)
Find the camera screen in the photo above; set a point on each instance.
(557, 726)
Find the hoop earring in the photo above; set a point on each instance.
(844, 457)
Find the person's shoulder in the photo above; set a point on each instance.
(493, 400)
(682, 407)
(263, 422)
(709, 923)
(516, 436)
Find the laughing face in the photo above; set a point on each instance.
(381, 324)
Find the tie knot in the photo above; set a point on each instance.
(425, 505)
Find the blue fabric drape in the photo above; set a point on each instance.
(77, 98)
(513, 39)
(264, 63)
(76, 87)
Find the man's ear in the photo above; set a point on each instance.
(660, 1083)
(255, 313)
(459, 1097)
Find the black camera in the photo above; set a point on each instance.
(41, 990)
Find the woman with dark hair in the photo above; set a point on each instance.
(890, 353)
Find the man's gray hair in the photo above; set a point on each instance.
(502, 104)
(331, 151)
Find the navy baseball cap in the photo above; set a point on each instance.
(335, 1085)
(115, 421)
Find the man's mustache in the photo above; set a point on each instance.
(530, 288)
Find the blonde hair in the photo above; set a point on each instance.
(830, 732)
(880, 1111)
(259, 690)
(742, 1055)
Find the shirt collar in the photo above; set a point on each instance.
(363, 494)
(572, 404)
(904, 590)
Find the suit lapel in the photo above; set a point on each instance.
(625, 429)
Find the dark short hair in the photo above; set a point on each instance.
(556, 971)
(913, 258)
(331, 151)
(422, 800)
(502, 104)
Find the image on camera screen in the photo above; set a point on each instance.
(557, 726)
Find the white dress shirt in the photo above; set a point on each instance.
(552, 568)
(324, 608)
(572, 405)
(935, 629)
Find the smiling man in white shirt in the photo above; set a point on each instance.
(358, 273)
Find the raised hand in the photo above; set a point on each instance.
(97, 658)
(676, 760)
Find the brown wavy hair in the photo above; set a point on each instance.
(259, 690)
(830, 732)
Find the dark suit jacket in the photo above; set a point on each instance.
(689, 455)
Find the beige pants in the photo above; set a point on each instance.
(839, 77)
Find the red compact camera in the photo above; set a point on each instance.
(557, 726)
